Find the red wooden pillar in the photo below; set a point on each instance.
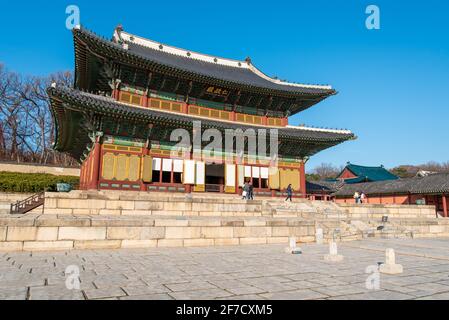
(145, 100)
(172, 173)
(82, 177)
(87, 172)
(302, 180)
(265, 120)
(445, 206)
(185, 108)
(145, 152)
(116, 94)
(95, 162)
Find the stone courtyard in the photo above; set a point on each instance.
(235, 273)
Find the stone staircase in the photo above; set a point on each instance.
(358, 229)
(305, 209)
(7, 198)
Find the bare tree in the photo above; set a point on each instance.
(407, 171)
(11, 110)
(435, 166)
(26, 123)
(326, 171)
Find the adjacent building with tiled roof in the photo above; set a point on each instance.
(432, 189)
(356, 174)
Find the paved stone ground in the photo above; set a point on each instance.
(246, 272)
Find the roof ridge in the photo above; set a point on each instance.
(189, 54)
(121, 35)
(358, 165)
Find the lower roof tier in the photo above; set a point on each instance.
(78, 114)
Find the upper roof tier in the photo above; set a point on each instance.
(227, 69)
(154, 65)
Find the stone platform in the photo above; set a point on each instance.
(113, 220)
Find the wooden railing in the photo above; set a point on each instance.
(24, 206)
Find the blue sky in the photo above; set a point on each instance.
(393, 83)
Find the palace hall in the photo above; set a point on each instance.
(131, 93)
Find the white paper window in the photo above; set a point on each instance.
(264, 172)
(178, 166)
(157, 164)
(200, 173)
(256, 172)
(189, 172)
(167, 165)
(247, 172)
(230, 175)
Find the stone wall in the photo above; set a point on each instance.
(376, 211)
(425, 228)
(30, 168)
(50, 232)
(133, 203)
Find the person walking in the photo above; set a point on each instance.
(357, 197)
(289, 193)
(362, 197)
(251, 192)
(245, 192)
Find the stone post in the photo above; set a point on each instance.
(292, 248)
(333, 255)
(390, 266)
(319, 236)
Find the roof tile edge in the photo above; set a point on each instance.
(320, 129)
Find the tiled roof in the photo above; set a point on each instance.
(323, 185)
(369, 174)
(133, 50)
(108, 106)
(432, 184)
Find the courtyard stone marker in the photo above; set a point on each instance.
(292, 248)
(319, 236)
(333, 255)
(390, 266)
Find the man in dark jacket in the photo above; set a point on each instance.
(289, 193)
(251, 192)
